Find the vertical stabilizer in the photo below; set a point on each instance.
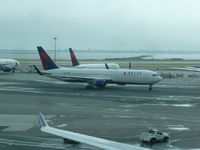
(47, 62)
(73, 58)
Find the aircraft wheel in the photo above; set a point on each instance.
(165, 139)
(153, 141)
(150, 87)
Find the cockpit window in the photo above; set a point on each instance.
(155, 74)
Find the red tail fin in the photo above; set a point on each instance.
(73, 58)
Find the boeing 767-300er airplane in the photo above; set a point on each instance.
(76, 64)
(73, 137)
(96, 77)
(8, 65)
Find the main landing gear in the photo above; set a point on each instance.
(89, 87)
(150, 87)
(13, 70)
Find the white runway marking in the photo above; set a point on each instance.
(53, 81)
(177, 127)
(183, 105)
(62, 125)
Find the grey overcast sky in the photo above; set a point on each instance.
(100, 24)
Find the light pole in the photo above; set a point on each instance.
(55, 48)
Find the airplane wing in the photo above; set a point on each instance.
(81, 138)
(89, 78)
(188, 69)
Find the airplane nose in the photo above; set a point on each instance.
(159, 78)
(17, 63)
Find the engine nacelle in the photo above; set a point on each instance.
(6, 68)
(100, 83)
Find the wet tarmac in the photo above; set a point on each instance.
(119, 113)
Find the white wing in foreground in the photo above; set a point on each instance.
(81, 138)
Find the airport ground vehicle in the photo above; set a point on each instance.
(153, 136)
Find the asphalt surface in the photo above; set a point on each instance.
(119, 113)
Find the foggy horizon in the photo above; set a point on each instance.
(100, 24)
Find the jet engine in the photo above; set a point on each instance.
(7, 68)
(100, 83)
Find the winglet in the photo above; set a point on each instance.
(47, 62)
(38, 71)
(73, 58)
(107, 66)
(42, 122)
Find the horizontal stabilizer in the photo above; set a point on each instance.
(107, 66)
(38, 71)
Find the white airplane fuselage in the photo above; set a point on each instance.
(97, 66)
(8, 65)
(116, 76)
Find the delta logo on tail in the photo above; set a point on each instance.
(73, 58)
(47, 62)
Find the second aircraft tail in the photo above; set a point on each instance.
(73, 58)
